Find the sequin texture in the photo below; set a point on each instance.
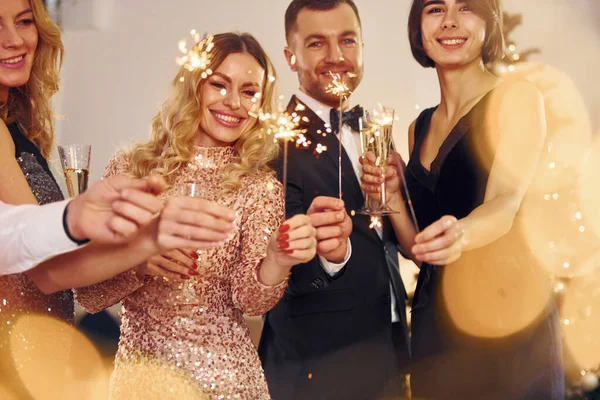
(19, 295)
(200, 342)
(44, 187)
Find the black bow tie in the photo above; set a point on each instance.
(348, 117)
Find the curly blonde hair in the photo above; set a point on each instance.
(175, 126)
(29, 105)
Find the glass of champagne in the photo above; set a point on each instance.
(75, 161)
(376, 137)
(188, 293)
(366, 130)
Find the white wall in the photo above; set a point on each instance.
(120, 58)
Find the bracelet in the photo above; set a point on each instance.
(66, 228)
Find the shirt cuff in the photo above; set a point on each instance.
(333, 269)
(37, 236)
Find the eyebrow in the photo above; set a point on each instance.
(228, 80)
(19, 15)
(432, 2)
(320, 37)
(24, 12)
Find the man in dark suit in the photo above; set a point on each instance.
(340, 330)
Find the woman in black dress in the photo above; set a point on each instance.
(472, 158)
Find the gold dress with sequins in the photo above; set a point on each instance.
(19, 296)
(188, 340)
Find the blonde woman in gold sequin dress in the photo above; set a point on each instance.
(184, 336)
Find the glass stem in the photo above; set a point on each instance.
(383, 197)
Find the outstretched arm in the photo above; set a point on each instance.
(517, 127)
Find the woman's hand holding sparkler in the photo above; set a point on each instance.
(294, 243)
(328, 215)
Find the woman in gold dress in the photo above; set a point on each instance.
(184, 336)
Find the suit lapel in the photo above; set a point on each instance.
(317, 132)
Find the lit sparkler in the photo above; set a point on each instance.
(338, 87)
(284, 126)
(199, 56)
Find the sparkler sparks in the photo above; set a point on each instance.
(339, 88)
(375, 223)
(199, 56)
(320, 148)
(285, 127)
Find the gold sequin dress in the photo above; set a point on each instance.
(189, 340)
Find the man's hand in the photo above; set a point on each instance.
(114, 209)
(334, 226)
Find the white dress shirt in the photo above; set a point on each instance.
(31, 234)
(351, 143)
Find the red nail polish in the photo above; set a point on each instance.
(194, 266)
(289, 251)
(194, 273)
(284, 228)
(185, 277)
(283, 237)
(283, 245)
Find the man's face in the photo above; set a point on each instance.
(325, 42)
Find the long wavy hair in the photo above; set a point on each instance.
(175, 126)
(29, 105)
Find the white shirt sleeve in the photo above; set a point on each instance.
(332, 269)
(31, 234)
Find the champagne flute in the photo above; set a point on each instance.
(75, 161)
(366, 130)
(191, 289)
(188, 293)
(376, 137)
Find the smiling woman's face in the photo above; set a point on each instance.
(18, 42)
(228, 98)
(453, 35)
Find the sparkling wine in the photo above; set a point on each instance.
(77, 180)
(383, 140)
(377, 139)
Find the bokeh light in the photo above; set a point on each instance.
(53, 359)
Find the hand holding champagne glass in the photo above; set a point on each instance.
(188, 291)
(376, 138)
(191, 287)
(75, 161)
(186, 229)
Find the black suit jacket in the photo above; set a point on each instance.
(331, 338)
